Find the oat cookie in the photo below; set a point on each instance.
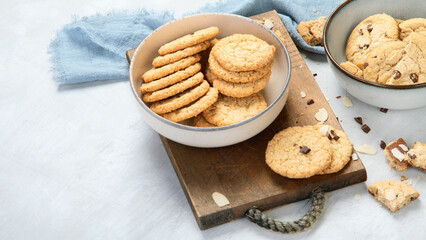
(157, 73)
(416, 156)
(243, 52)
(238, 90)
(393, 194)
(176, 56)
(171, 79)
(370, 33)
(341, 148)
(398, 62)
(312, 31)
(229, 110)
(417, 25)
(352, 68)
(194, 108)
(395, 152)
(174, 89)
(238, 77)
(180, 100)
(188, 40)
(284, 153)
(200, 121)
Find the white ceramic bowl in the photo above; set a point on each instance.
(275, 93)
(336, 32)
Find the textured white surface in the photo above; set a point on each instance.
(78, 162)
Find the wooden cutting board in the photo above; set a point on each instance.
(240, 172)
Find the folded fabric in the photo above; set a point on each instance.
(93, 48)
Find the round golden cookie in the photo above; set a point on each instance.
(171, 79)
(200, 121)
(238, 90)
(180, 100)
(370, 33)
(173, 57)
(238, 77)
(194, 108)
(417, 25)
(229, 110)
(341, 148)
(174, 89)
(188, 40)
(157, 73)
(243, 52)
(283, 153)
(398, 62)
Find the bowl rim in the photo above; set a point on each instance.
(209, 129)
(359, 79)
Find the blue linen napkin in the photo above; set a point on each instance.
(93, 48)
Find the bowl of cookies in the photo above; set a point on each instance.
(210, 80)
(377, 51)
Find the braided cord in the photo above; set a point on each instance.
(261, 219)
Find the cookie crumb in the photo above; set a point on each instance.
(403, 178)
(321, 115)
(366, 149)
(303, 94)
(383, 110)
(328, 99)
(347, 101)
(382, 144)
(278, 33)
(365, 128)
(357, 196)
(314, 10)
(418, 176)
(220, 199)
(358, 120)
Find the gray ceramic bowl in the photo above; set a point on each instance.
(275, 93)
(336, 32)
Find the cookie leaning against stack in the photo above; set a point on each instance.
(175, 87)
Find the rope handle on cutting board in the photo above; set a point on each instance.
(261, 219)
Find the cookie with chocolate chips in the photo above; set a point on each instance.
(416, 156)
(395, 152)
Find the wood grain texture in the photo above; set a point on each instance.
(240, 172)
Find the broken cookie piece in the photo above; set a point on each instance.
(393, 194)
(395, 152)
(416, 156)
(312, 31)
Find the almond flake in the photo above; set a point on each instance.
(301, 65)
(220, 199)
(403, 147)
(354, 156)
(328, 99)
(357, 196)
(268, 23)
(321, 115)
(409, 181)
(302, 94)
(396, 153)
(314, 10)
(347, 101)
(390, 195)
(324, 129)
(366, 149)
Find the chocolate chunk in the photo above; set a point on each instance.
(336, 137)
(365, 128)
(332, 132)
(328, 135)
(366, 46)
(315, 74)
(361, 32)
(412, 156)
(310, 101)
(382, 144)
(369, 27)
(384, 110)
(338, 97)
(305, 150)
(365, 65)
(396, 74)
(414, 77)
(358, 120)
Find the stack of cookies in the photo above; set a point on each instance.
(239, 67)
(302, 152)
(175, 86)
(387, 50)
